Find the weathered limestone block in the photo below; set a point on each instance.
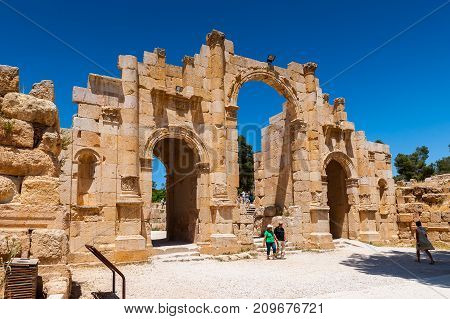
(15, 132)
(40, 189)
(8, 189)
(57, 286)
(9, 79)
(44, 90)
(25, 162)
(49, 245)
(51, 142)
(29, 108)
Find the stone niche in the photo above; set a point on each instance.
(33, 223)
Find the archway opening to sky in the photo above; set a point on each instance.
(261, 110)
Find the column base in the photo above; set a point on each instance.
(369, 236)
(131, 248)
(322, 240)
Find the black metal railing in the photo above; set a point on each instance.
(111, 267)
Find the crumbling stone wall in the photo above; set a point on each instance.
(32, 221)
(429, 202)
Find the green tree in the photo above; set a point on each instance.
(245, 158)
(413, 165)
(379, 141)
(158, 194)
(442, 166)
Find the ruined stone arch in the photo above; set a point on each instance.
(179, 132)
(269, 76)
(344, 160)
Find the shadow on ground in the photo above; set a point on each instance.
(403, 265)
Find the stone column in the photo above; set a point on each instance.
(130, 242)
(215, 41)
(309, 70)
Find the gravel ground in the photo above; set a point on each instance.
(351, 271)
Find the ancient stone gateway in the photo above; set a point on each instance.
(320, 176)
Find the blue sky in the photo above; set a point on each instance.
(398, 94)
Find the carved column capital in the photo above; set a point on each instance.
(160, 52)
(202, 167)
(215, 38)
(339, 101)
(188, 60)
(309, 68)
(352, 182)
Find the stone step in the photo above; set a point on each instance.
(172, 249)
(177, 255)
(185, 259)
(263, 249)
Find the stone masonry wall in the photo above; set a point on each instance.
(33, 223)
(429, 202)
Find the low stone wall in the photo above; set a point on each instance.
(429, 202)
(33, 223)
(158, 217)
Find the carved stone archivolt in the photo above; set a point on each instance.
(130, 183)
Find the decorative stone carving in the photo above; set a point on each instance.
(202, 168)
(232, 111)
(215, 38)
(130, 183)
(326, 97)
(188, 60)
(309, 67)
(160, 52)
(352, 182)
(339, 101)
(111, 114)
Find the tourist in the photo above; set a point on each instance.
(422, 242)
(269, 240)
(281, 239)
(243, 196)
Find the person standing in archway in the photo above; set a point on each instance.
(422, 242)
(269, 240)
(281, 239)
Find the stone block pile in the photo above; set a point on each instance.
(32, 221)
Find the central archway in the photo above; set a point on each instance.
(181, 188)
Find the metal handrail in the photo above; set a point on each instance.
(111, 267)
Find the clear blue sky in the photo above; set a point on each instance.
(399, 94)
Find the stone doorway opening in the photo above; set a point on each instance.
(337, 200)
(181, 212)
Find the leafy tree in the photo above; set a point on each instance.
(158, 194)
(413, 165)
(245, 158)
(442, 166)
(379, 141)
